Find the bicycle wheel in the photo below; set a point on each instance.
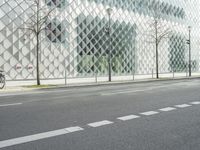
(2, 82)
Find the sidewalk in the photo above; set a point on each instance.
(15, 89)
(25, 86)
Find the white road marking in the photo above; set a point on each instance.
(167, 109)
(182, 106)
(195, 103)
(13, 104)
(35, 137)
(130, 117)
(44, 135)
(121, 92)
(101, 123)
(130, 91)
(74, 129)
(18, 93)
(149, 113)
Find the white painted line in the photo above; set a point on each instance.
(195, 103)
(40, 136)
(18, 93)
(182, 106)
(121, 92)
(31, 138)
(101, 123)
(130, 117)
(13, 104)
(149, 113)
(167, 109)
(74, 129)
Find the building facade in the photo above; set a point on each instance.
(76, 43)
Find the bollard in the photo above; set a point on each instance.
(65, 77)
(96, 77)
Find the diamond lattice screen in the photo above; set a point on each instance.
(75, 38)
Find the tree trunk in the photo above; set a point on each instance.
(156, 29)
(157, 66)
(37, 60)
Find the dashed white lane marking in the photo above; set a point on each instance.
(149, 113)
(13, 104)
(130, 117)
(182, 106)
(167, 109)
(73, 129)
(195, 103)
(101, 123)
(35, 137)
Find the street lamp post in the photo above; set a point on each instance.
(189, 44)
(109, 11)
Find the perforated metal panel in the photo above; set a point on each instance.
(76, 39)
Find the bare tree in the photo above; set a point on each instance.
(35, 25)
(158, 31)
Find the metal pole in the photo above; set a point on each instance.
(133, 71)
(190, 69)
(65, 73)
(109, 53)
(65, 77)
(133, 67)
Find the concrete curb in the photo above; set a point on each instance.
(117, 83)
(27, 89)
(124, 82)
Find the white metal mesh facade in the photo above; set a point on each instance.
(78, 43)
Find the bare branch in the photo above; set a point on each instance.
(44, 19)
(164, 35)
(38, 18)
(29, 29)
(158, 29)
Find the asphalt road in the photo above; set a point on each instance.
(161, 115)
